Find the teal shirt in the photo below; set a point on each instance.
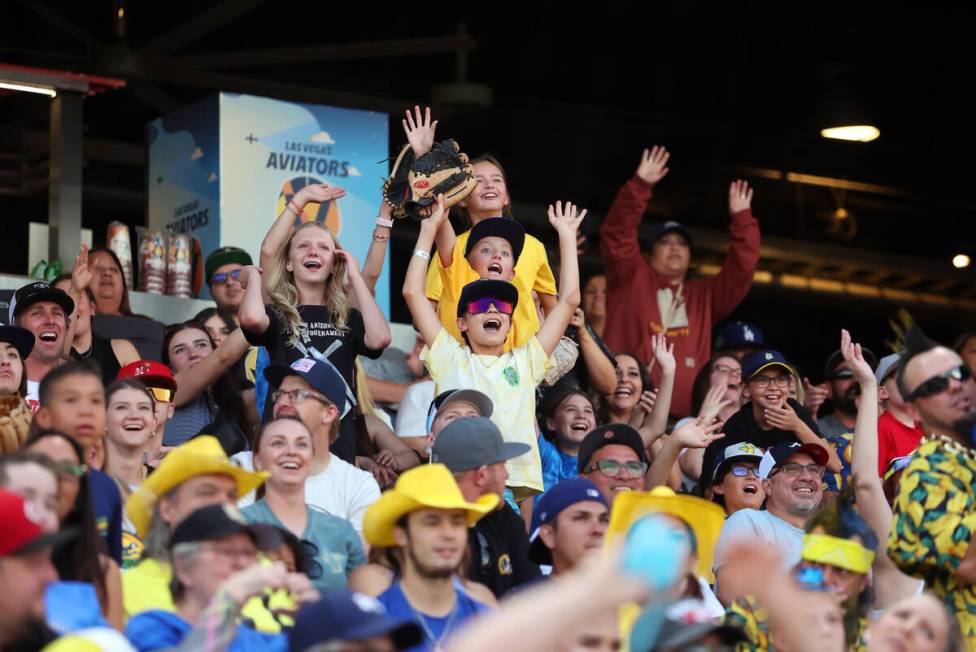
(339, 548)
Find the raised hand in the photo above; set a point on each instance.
(663, 352)
(642, 411)
(697, 435)
(437, 217)
(740, 196)
(566, 220)
(349, 258)
(578, 318)
(318, 192)
(715, 401)
(855, 359)
(81, 274)
(419, 130)
(248, 274)
(784, 418)
(814, 396)
(654, 164)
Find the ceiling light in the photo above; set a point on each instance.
(960, 261)
(27, 88)
(856, 133)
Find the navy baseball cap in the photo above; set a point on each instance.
(483, 288)
(673, 227)
(320, 374)
(777, 455)
(565, 493)
(499, 227)
(737, 335)
(472, 442)
(753, 363)
(37, 292)
(347, 616)
(612, 433)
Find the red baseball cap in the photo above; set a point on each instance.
(22, 531)
(150, 372)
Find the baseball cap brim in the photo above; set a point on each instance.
(730, 460)
(499, 227)
(674, 227)
(225, 256)
(52, 294)
(52, 539)
(769, 366)
(20, 338)
(769, 464)
(472, 396)
(485, 288)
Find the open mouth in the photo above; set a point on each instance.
(312, 264)
(750, 488)
(623, 390)
(132, 427)
(621, 488)
(488, 196)
(48, 336)
(495, 268)
(290, 466)
(804, 489)
(580, 426)
(493, 324)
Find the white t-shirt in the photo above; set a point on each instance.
(341, 489)
(411, 419)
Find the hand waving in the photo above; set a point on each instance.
(81, 274)
(568, 220)
(695, 435)
(855, 359)
(318, 192)
(419, 130)
(740, 196)
(663, 353)
(653, 165)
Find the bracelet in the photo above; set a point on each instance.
(381, 237)
(294, 208)
(420, 253)
(380, 221)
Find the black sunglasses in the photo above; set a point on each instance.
(940, 383)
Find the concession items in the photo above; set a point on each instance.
(179, 275)
(152, 262)
(119, 242)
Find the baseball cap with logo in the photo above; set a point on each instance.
(320, 374)
(565, 493)
(753, 363)
(22, 532)
(150, 373)
(37, 292)
(777, 456)
(742, 451)
(738, 335)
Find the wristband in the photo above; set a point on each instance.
(294, 208)
(380, 221)
(381, 237)
(420, 253)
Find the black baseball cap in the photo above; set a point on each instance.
(225, 256)
(499, 227)
(212, 523)
(483, 288)
(611, 433)
(672, 226)
(347, 616)
(837, 358)
(37, 292)
(321, 375)
(471, 442)
(20, 338)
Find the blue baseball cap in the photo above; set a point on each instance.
(738, 335)
(753, 363)
(673, 227)
(565, 494)
(348, 616)
(320, 374)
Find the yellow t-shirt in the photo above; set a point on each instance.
(509, 380)
(532, 272)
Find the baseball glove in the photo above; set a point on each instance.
(413, 186)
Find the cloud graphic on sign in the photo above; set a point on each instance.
(212, 177)
(197, 154)
(353, 171)
(322, 137)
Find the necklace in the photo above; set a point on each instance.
(422, 620)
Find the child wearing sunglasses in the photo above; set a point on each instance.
(484, 316)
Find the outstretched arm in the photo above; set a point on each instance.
(81, 277)
(691, 435)
(252, 314)
(373, 265)
(192, 382)
(276, 236)
(664, 356)
(424, 316)
(603, 375)
(733, 281)
(566, 222)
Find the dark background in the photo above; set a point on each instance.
(737, 90)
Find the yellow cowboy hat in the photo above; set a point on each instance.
(428, 485)
(201, 455)
(705, 519)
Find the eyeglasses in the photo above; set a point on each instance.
(940, 383)
(479, 306)
(222, 277)
(732, 372)
(793, 470)
(74, 470)
(298, 395)
(161, 394)
(742, 470)
(613, 468)
(313, 569)
(762, 382)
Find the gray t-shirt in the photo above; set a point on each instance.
(760, 525)
(830, 427)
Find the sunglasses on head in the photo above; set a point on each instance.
(161, 394)
(479, 306)
(222, 277)
(940, 383)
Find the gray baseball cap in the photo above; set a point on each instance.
(449, 396)
(471, 442)
(886, 365)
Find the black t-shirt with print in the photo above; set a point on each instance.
(320, 338)
(500, 552)
(742, 427)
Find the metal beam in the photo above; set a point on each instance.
(64, 187)
(199, 26)
(59, 21)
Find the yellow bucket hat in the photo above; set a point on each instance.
(201, 455)
(425, 486)
(705, 519)
(834, 551)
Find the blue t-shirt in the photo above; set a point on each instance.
(340, 549)
(158, 630)
(70, 606)
(556, 466)
(397, 607)
(107, 506)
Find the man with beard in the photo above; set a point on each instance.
(792, 476)
(427, 517)
(935, 509)
(843, 390)
(43, 310)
